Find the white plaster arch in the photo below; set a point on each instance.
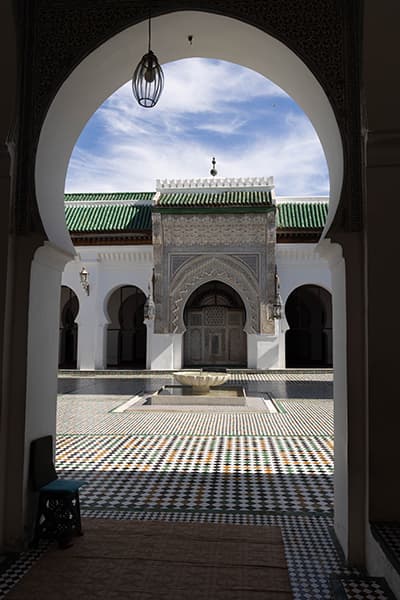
(110, 66)
(77, 296)
(295, 287)
(284, 300)
(110, 292)
(226, 269)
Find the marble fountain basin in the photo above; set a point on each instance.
(199, 388)
(201, 381)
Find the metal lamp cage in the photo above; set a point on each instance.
(148, 81)
(148, 78)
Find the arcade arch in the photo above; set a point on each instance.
(309, 337)
(68, 341)
(126, 332)
(110, 66)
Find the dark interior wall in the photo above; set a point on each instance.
(381, 98)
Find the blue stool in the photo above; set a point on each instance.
(58, 516)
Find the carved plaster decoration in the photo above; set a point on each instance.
(214, 230)
(320, 41)
(177, 261)
(252, 261)
(156, 230)
(222, 268)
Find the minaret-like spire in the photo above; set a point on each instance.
(213, 171)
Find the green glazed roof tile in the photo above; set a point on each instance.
(108, 218)
(131, 211)
(301, 215)
(215, 198)
(110, 197)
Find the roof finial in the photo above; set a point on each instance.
(213, 171)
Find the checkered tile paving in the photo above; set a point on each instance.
(361, 588)
(217, 466)
(196, 473)
(11, 570)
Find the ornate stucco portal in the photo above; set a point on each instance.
(214, 318)
(220, 230)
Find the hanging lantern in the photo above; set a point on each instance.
(148, 78)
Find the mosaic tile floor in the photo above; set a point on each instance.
(222, 466)
(366, 588)
(388, 536)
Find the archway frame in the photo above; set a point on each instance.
(110, 292)
(229, 303)
(110, 66)
(314, 282)
(203, 269)
(120, 329)
(76, 322)
(324, 43)
(295, 292)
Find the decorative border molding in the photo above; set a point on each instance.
(290, 253)
(302, 199)
(125, 256)
(202, 185)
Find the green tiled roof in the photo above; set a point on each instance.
(231, 198)
(108, 218)
(110, 197)
(301, 215)
(131, 211)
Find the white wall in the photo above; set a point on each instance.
(300, 264)
(109, 268)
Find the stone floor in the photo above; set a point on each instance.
(217, 465)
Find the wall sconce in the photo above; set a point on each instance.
(84, 277)
(277, 304)
(149, 306)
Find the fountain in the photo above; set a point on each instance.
(200, 388)
(201, 381)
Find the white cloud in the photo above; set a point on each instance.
(197, 118)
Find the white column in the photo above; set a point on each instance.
(149, 341)
(333, 253)
(283, 326)
(162, 352)
(100, 348)
(178, 350)
(43, 334)
(262, 351)
(90, 322)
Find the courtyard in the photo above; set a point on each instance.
(235, 465)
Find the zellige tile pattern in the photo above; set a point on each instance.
(211, 466)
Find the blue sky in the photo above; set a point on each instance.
(207, 108)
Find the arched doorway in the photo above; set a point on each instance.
(309, 337)
(126, 336)
(107, 61)
(214, 317)
(68, 344)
